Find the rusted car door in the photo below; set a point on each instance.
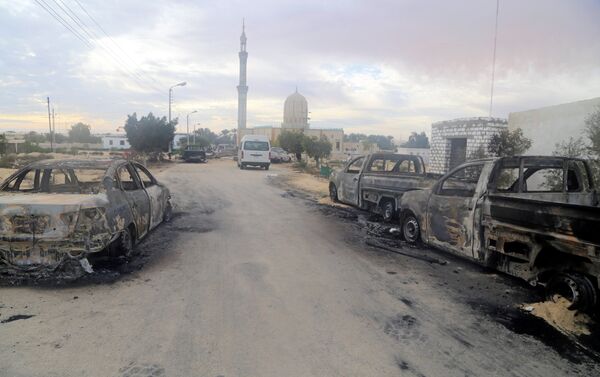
(451, 209)
(349, 178)
(138, 200)
(156, 194)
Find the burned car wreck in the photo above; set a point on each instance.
(58, 216)
(534, 217)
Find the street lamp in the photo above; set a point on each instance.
(171, 101)
(188, 125)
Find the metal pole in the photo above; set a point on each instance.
(50, 125)
(53, 128)
(188, 129)
(494, 57)
(170, 100)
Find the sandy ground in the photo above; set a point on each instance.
(557, 314)
(251, 280)
(4, 173)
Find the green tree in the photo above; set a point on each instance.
(149, 133)
(509, 143)
(81, 133)
(592, 131)
(317, 148)
(383, 142)
(3, 144)
(291, 141)
(34, 137)
(367, 145)
(354, 138)
(416, 140)
(226, 137)
(207, 134)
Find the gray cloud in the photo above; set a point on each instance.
(369, 66)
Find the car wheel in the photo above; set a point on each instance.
(576, 288)
(168, 214)
(266, 167)
(388, 210)
(242, 166)
(333, 194)
(410, 228)
(125, 242)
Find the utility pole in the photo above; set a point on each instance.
(494, 58)
(50, 125)
(53, 129)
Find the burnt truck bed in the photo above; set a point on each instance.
(552, 219)
(377, 181)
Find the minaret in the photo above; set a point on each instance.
(242, 87)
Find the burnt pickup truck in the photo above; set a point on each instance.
(376, 182)
(533, 217)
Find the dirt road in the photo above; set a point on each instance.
(252, 280)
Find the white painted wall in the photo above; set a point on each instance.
(115, 142)
(548, 126)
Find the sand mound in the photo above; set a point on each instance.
(557, 314)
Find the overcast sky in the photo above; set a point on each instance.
(384, 67)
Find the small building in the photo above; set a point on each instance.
(453, 141)
(334, 135)
(112, 141)
(295, 118)
(548, 126)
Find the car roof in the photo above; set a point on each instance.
(76, 163)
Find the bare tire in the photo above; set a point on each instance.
(125, 242)
(576, 288)
(410, 228)
(388, 210)
(168, 214)
(333, 194)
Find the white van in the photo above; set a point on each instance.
(255, 150)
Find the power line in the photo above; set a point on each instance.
(110, 38)
(58, 18)
(93, 36)
(88, 41)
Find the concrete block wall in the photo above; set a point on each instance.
(478, 132)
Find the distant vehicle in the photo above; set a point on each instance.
(533, 217)
(194, 153)
(377, 181)
(255, 150)
(54, 215)
(225, 150)
(279, 155)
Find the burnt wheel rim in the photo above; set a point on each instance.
(577, 289)
(411, 229)
(333, 192)
(168, 213)
(126, 243)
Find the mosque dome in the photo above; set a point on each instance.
(295, 111)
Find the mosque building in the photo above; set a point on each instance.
(295, 114)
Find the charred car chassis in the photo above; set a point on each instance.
(533, 217)
(55, 214)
